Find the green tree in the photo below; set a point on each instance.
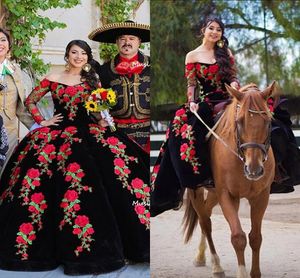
(263, 34)
(266, 36)
(172, 36)
(113, 11)
(23, 20)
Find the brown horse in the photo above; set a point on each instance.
(242, 168)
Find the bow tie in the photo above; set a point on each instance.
(129, 68)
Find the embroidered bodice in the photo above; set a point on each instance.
(208, 81)
(68, 100)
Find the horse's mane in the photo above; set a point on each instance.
(252, 100)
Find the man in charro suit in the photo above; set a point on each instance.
(128, 74)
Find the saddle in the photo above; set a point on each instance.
(218, 113)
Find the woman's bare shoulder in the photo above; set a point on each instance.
(54, 76)
(191, 57)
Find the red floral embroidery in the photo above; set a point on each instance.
(44, 83)
(187, 153)
(70, 96)
(143, 214)
(29, 183)
(137, 187)
(34, 97)
(25, 236)
(140, 189)
(70, 203)
(270, 103)
(71, 206)
(179, 119)
(154, 175)
(46, 155)
(213, 69)
(181, 128)
(74, 173)
(65, 149)
(37, 207)
(83, 229)
(190, 71)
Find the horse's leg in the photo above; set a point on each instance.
(230, 207)
(203, 210)
(258, 208)
(210, 202)
(200, 260)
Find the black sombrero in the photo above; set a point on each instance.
(110, 32)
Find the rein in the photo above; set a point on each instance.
(216, 135)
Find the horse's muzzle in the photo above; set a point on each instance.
(253, 174)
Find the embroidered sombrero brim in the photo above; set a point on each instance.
(110, 32)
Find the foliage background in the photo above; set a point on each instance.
(113, 11)
(24, 22)
(264, 35)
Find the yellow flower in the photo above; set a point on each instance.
(111, 96)
(91, 106)
(96, 92)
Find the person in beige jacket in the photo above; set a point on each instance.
(12, 94)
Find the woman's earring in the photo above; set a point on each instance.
(86, 67)
(220, 43)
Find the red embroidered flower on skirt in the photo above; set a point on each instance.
(24, 238)
(83, 229)
(140, 189)
(143, 214)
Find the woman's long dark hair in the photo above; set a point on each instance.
(227, 68)
(91, 76)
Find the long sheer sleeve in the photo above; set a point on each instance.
(190, 74)
(34, 97)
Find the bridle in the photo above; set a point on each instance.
(241, 147)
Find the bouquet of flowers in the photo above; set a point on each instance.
(101, 100)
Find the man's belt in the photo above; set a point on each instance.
(133, 125)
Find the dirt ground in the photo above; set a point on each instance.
(280, 252)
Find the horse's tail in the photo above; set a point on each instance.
(189, 221)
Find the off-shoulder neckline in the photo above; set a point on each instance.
(68, 85)
(203, 63)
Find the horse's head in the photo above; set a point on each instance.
(253, 127)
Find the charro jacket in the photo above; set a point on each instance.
(133, 93)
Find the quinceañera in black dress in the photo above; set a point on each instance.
(184, 156)
(75, 194)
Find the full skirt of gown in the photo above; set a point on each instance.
(75, 195)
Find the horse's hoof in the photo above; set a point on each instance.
(199, 263)
(217, 270)
(219, 275)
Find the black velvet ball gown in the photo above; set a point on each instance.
(75, 194)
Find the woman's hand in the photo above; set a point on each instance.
(235, 85)
(55, 120)
(194, 106)
(103, 123)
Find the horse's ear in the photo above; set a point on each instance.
(234, 92)
(269, 90)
